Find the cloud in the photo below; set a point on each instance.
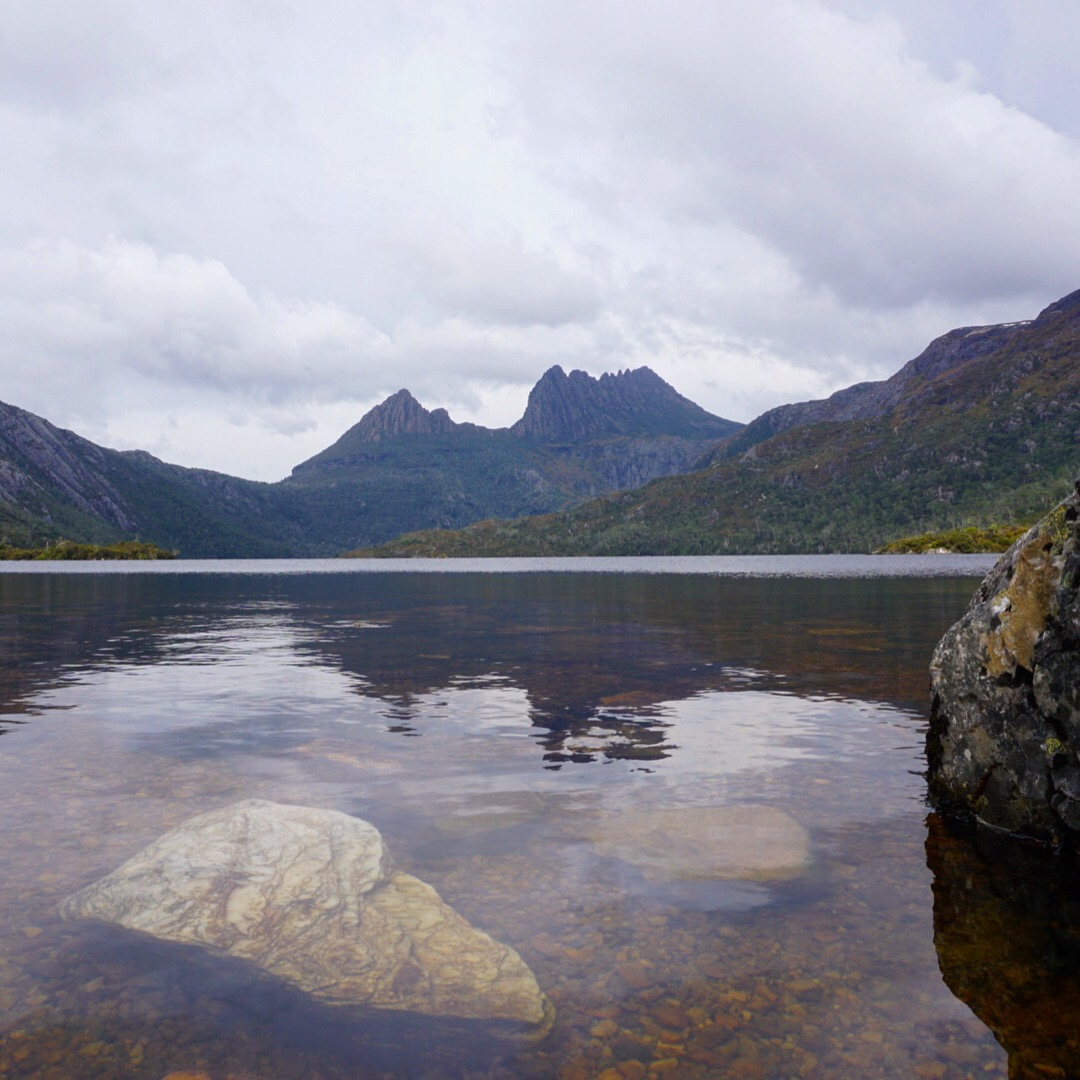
(817, 134)
(267, 217)
(125, 310)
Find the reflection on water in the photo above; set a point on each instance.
(1007, 932)
(503, 732)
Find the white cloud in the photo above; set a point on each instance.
(257, 219)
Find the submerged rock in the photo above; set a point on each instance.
(744, 842)
(308, 896)
(1005, 714)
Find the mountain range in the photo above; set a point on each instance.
(983, 426)
(401, 468)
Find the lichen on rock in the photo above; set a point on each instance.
(1005, 712)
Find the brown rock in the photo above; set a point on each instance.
(1004, 732)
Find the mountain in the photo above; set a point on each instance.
(401, 468)
(579, 408)
(982, 427)
(865, 401)
(55, 484)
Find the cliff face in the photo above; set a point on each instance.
(42, 467)
(580, 407)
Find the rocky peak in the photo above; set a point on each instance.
(400, 414)
(578, 406)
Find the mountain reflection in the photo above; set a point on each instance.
(597, 656)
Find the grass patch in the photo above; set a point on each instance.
(967, 541)
(69, 549)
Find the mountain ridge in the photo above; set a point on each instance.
(568, 408)
(868, 400)
(983, 427)
(401, 467)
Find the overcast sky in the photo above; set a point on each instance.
(229, 228)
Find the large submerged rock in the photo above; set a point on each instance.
(308, 896)
(742, 842)
(1005, 714)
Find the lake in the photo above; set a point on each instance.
(545, 742)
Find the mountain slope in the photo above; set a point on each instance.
(864, 401)
(984, 426)
(55, 484)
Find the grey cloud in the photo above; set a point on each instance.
(58, 56)
(263, 211)
(822, 136)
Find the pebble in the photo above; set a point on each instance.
(604, 1029)
(670, 1015)
(642, 990)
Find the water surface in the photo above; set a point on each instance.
(496, 721)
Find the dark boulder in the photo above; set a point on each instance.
(1005, 715)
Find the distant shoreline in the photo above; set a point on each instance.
(68, 550)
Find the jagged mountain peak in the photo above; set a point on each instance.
(634, 402)
(400, 414)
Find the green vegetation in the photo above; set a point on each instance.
(968, 541)
(68, 549)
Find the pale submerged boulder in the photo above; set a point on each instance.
(308, 896)
(741, 842)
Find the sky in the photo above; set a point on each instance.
(229, 228)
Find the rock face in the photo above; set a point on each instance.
(308, 896)
(1005, 715)
(638, 402)
(399, 414)
(40, 462)
(708, 843)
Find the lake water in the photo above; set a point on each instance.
(500, 722)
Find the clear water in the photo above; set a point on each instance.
(494, 721)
